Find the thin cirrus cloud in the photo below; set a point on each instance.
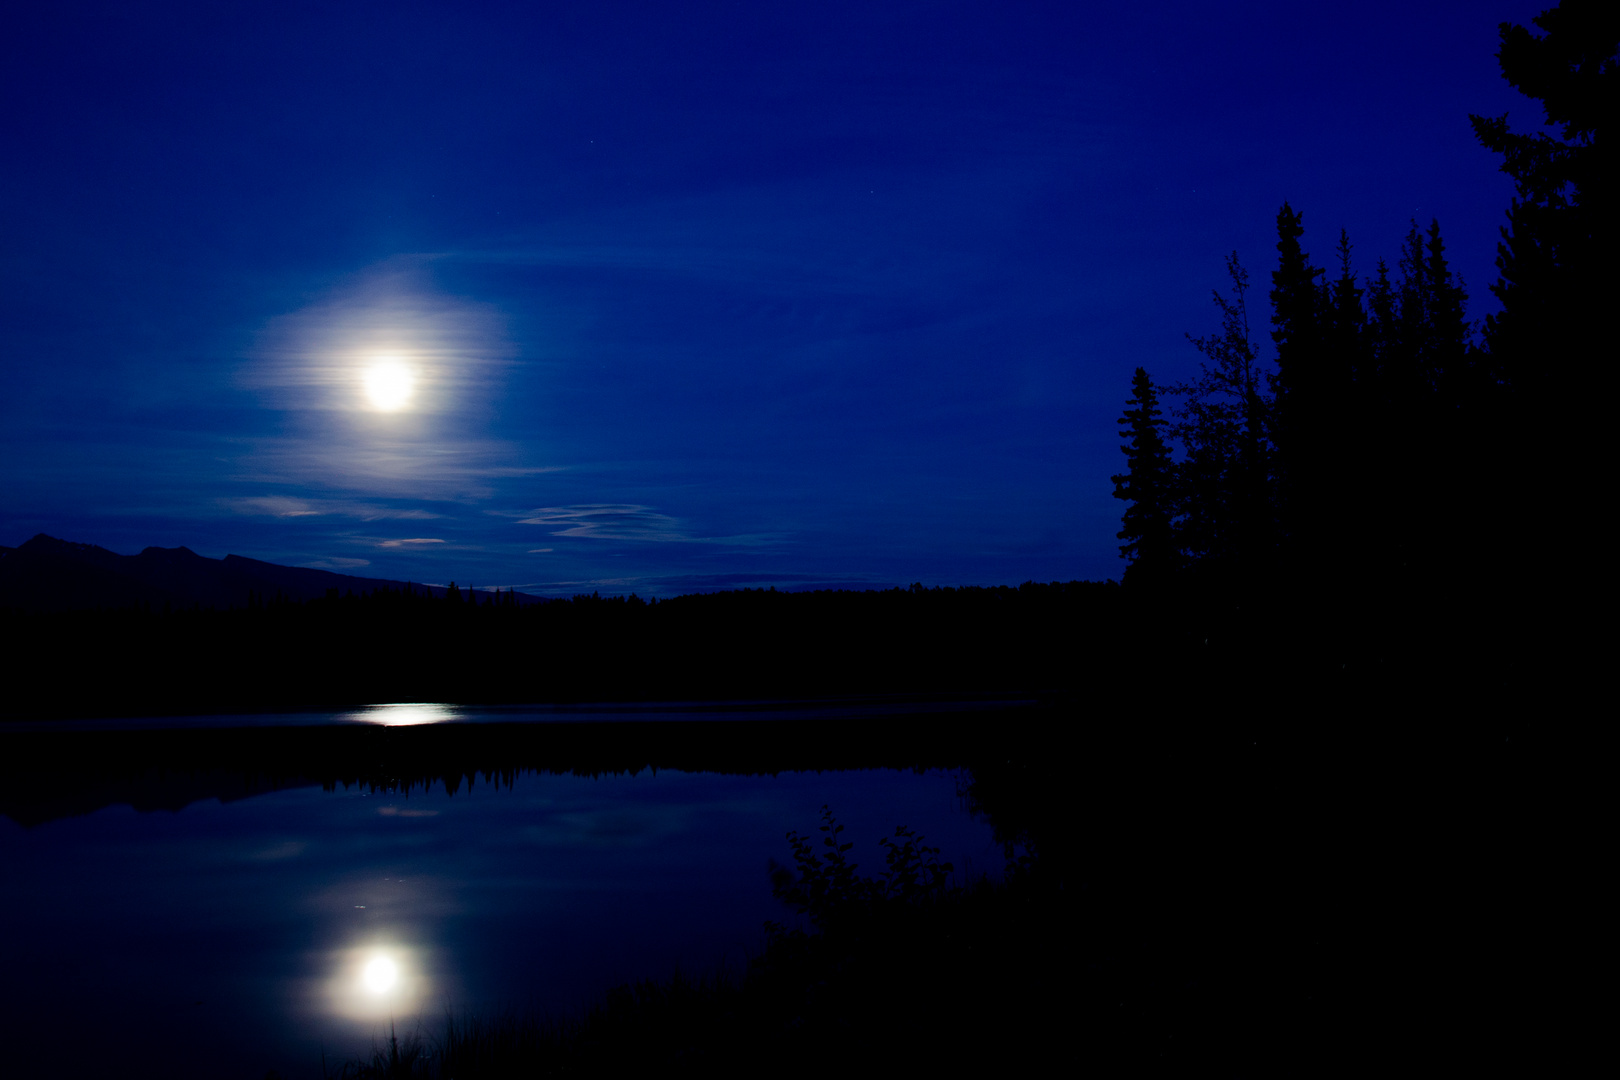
(336, 563)
(629, 522)
(459, 470)
(286, 506)
(607, 521)
(410, 542)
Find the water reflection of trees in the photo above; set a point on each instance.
(50, 774)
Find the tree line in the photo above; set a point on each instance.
(1385, 444)
(408, 645)
(1301, 457)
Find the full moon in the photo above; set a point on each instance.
(389, 384)
(380, 975)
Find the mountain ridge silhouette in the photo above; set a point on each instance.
(46, 574)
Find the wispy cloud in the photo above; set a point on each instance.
(274, 506)
(316, 367)
(409, 542)
(432, 467)
(608, 521)
(630, 521)
(337, 564)
(286, 506)
(316, 359)
(578, 584)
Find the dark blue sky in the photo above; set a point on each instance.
(686, 295)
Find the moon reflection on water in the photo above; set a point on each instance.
(376, 982)
(380, 975)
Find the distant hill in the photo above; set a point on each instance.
(47, 574)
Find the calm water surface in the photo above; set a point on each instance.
(230, 939)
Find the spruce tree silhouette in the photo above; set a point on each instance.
(1377, 477)
(1449, 332)
(1346, 323)
(1223, 423)
(1556, 255)
(1147, 485)
(1416, 379)
(1349, 488)
(1334, 487)
(1302, 393)
(1558, 270)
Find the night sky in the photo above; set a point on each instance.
(659, 297)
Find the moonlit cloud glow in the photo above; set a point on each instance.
(394, 337)
(386, 387)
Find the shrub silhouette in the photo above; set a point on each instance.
(829, 892)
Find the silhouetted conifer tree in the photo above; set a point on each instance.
(1556, 256)
(1147, 485)
(1346, 323)
(1349, 456)
(1340, 427)
(1421, 374)
(1297, 313)
(1224, 480)
(1392, 449)
(1379, 330)
(1558, 272)
(1429, 362)
(1450, 336)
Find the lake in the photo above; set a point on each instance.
(276, 921)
